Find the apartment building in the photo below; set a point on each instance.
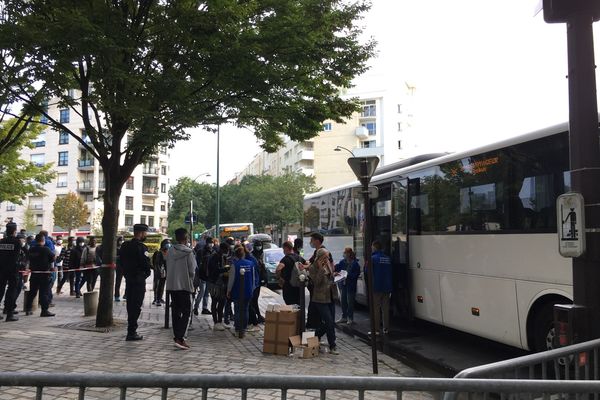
(385, 127)
(144, 198)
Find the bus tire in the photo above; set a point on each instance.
(543, 328)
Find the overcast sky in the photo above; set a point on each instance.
(484, 70)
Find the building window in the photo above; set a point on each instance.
(40, 141)
(163, 188)
(367, 144)
(44, 118)
(38, 159)
(143, 219)
(327, 127)
(61, 181)
(163, 170)
(151, 221)
(128, 202)
(400, 127)
(371, 127)
(10, 207)
(64, 116)
(147, 208)
(163, 206)
(63, 137)
(39, 219)
(129, 184)
(63, 158)
(71, 93)
(128, 220)
(399, 108)
(399, 144)
(369, 108)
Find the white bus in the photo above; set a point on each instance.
(239, 230)
(472, 236)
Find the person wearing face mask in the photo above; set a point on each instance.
(10, 247)
(75, 263)
(201, 276)
(66, 266)
(58, 250)
(347, 286)
(136, 268)
(118, 271)
(257, 253)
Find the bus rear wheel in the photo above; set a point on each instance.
(543, 329)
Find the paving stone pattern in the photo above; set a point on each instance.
(66, 343)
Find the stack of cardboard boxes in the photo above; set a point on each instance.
(282, 333)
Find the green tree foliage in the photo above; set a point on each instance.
(70, 212)
(29, 219)
(262, 200)
(145, 70)
(20, 178)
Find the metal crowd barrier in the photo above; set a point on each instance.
(207, 384)
(578, 362)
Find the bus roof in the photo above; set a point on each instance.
(549, 131)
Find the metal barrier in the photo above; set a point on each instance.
(322, 384)
(576, 362)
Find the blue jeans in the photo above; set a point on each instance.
(79, 281)
(201, 295)
(239, 309)
(347, 300)
(52, 280)
(326, 311)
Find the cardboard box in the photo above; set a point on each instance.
(279, 326)
(308, 350)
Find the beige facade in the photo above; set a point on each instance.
(384, 127)
(144, 198)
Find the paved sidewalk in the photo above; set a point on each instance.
(70, 343)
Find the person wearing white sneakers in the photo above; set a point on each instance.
(181, 266)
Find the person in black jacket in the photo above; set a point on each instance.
(217, 284)
(136, 268)
(75, 264)
(200, 279)
(41, 263)
(10, 249)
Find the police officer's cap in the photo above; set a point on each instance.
(140, 228)
(11, 227)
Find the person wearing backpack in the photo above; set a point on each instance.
(347, 286)
(289, 273)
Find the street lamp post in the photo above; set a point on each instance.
(192, 209)
(364, 168)
(218, 206)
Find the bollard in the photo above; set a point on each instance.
(167, 307)
(242, 316)
(34, 304)
(90, 303)
(302, 278)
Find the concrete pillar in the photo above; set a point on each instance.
(34, 305)
(90, 303)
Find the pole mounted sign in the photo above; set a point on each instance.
(570, 214)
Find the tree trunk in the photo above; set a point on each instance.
(104, 317)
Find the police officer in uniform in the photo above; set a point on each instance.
(136, 268)
(10, 249)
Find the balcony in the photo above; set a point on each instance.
(85, 186)
(147, 170)
(61, 184)
(306, 155)
(86, 164)
(36, 207)
(150, 190)
(368, 151)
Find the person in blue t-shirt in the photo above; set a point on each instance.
(233, 287)
(382, 285)
(348, 285)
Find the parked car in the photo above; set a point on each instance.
(271, 258)
(266, 240)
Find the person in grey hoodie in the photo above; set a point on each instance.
(181, 266)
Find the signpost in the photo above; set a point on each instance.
(584, 146)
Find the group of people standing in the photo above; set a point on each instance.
(42, 261)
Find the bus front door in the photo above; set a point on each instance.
(399, 250)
